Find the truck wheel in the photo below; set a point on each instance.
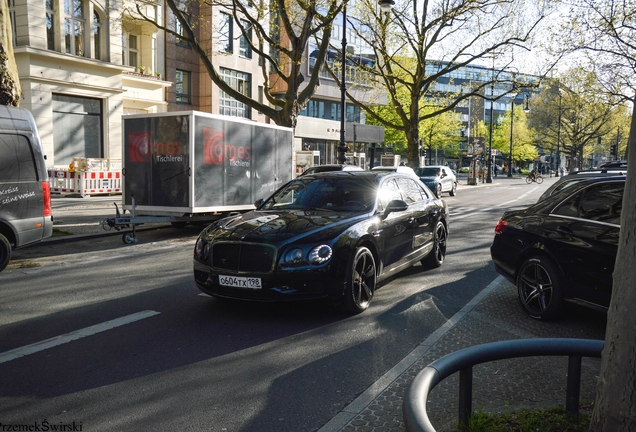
(5, 252)
(128, 238)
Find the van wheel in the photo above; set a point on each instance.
(5, 252)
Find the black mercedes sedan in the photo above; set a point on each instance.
(329, 236)
(563, 248)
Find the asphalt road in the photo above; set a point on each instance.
(117, 337)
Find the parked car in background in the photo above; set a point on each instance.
(400, 169)
(568, 180)
(328, 236)
(25, 199)
(563, 248)
(330, 167)
(438, 178)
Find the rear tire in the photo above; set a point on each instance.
(435, 257)
(453, 191)
(360, 282)
(539, 288)
(5, 252)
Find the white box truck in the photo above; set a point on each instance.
(180, 167)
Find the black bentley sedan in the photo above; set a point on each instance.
(562, 248)
(332, 236)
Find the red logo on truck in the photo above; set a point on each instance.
(141, 148)
(216, 151)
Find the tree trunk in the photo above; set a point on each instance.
(9, 82)
(615, 405)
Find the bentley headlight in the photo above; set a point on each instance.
(294, 256)
(320, 255)
(202, 249)
(198, 247)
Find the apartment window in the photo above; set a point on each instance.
(225, 32)
(78, 127)
(245, 48)
(12, 19)
(241, 82)
(97, 36)
(179, 30)
(50, 25)
(130, 52)
(74, 27)
(182, 87)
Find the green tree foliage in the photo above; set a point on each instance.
(523, 144)
(438, 38)
(576, 109)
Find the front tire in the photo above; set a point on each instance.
(360, 282)
(539, 180)
(5, 252)
(435, 257)
(438, 190)
(539, 288)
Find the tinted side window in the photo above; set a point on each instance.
(569, 207)
(603, 202)
(411, 191)
(16, 159)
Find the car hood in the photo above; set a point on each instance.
(282, 226)
(429, 178)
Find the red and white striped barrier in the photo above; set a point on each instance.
(85, 183)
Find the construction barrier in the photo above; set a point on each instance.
(85, 183)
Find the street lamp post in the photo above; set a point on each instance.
(492, 102)
(512, 121)
(342, 147)
(385, 6)
(558, 153)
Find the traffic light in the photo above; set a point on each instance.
(614, 151)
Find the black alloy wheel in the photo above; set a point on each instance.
(436, 256)
(539, 288)
(361, 281)
(5, 252)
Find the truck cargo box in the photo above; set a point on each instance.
(192, 162)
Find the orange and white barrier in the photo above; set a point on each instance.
(85, 183)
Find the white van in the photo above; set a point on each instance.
(25, 197)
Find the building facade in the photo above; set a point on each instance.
(83, 64)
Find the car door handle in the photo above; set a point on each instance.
(564, 230)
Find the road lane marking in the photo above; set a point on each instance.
(74, 335)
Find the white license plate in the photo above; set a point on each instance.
(240, 282)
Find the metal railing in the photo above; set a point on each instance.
(462, 361)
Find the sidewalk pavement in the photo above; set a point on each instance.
(504, 385)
